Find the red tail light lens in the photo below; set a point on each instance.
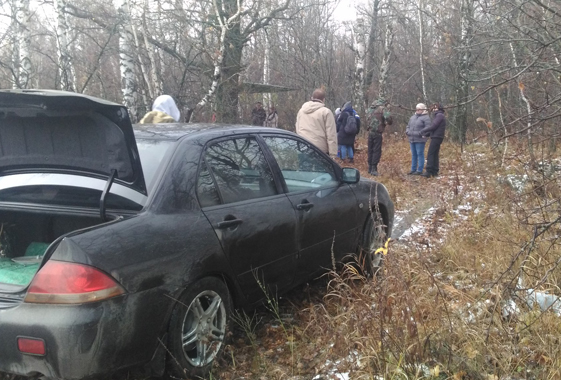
(71, 283)
(32, 346)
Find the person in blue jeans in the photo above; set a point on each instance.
(346, 133)
(419, 121)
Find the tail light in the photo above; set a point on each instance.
(33, 346)
(60, 282)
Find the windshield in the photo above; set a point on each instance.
(152, 153)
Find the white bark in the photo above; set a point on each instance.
(421, 49)
(126, 60)
(15, 46)
(224, 24)
(65, 66)
(504, 127)
(143, 69)
(157, 84)
(267, 69)
(23, 17)
(385, 65)
(526, 101)
(359, 42)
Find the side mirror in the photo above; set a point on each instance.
(350, 175)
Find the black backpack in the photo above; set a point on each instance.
(350, 126)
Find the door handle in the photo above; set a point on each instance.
(304, 206)
(229, 223)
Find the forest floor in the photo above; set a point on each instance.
(457, 298)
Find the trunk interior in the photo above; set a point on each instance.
(25, 237)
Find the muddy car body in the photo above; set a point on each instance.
(107, 262)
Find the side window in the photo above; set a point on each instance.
(206, 189)
(238, 169)
(302, 167)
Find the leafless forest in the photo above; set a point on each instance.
(471, 284)
(494, 64)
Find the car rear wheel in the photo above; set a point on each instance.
(198, 328)
(373, 237)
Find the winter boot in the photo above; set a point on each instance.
(374, 170)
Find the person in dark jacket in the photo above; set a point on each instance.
(419, 121)
(436, 133)
(378, 118)
(258, 114)
(345, 138)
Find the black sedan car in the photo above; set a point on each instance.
(123, 246)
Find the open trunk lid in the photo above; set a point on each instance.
(48, 131)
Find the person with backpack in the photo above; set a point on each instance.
(347, 128)
(378, 118)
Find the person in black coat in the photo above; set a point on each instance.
(436, 133)
(346, 138)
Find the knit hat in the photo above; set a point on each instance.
(421, 106)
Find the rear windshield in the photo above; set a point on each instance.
(152, 153)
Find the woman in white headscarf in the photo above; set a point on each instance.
(164, 110)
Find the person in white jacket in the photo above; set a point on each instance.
(316, 123)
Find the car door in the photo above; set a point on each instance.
(253, 220)
(326, 208)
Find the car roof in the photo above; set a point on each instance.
(176, 131)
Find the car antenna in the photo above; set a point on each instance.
(104, 194)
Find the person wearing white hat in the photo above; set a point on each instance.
(164, 110)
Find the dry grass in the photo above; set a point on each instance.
(439, 308)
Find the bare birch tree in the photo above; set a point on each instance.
(127, 60)
(385, 65)
(66, 68)
(23, 36)
(359, 36)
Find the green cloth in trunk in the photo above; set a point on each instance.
(36, 249)
(16, 274)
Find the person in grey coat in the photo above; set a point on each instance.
(419, 121)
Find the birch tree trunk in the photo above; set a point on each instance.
(385, 65)
(23, 18)
(157, 83)
(466, 25)
(422, 50)
(126, 60)
(267, 68)
(65, 66)
(370, 58)
(360, 57)
(528, 107)
(15, 46)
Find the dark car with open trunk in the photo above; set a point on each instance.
(124, 246)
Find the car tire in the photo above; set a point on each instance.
(373, 237)
(198, 328)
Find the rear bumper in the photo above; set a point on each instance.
(82, 340)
